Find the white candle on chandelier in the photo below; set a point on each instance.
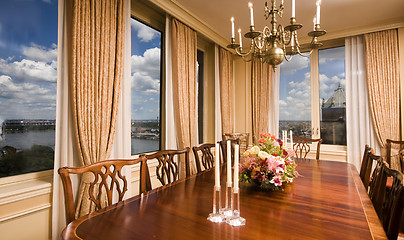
(232, 27)
(293, 9)
(236, 153)
(217, 167)
(241, 40)
(318, 11)
(228, 162)
(250, 5)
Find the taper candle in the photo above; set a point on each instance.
(217, 166)
(232, 27)
(250, 5)
(318, 11)
(228, 162)
(293, 9)
(236, 160)
(241, 40)
(291, 140)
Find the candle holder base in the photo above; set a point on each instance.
(216, 216)
(235, 220)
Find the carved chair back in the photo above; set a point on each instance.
(223, 148)
(375, 181)
(393, 203)
(244, 139)
(106, 179)
(167, 170)
(302, 146)
(366, 166)
(390, 145)
(206, 158)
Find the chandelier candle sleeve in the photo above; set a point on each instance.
(228, 162)
(250, 5)
(236, 167)
(232, 27)
(318, 11)
(217, 167)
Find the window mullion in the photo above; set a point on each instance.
(315, 95)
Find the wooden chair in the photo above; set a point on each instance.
(107, 179)
(366, 166)
(244, 139)
(223, 147)
(393, 201)
(374, 194)
(389, 154)
(167, 170)
(206, 157)
(301, 146)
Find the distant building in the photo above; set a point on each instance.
(333, 118)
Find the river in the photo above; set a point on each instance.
(24, 140)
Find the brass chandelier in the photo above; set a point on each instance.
(275, 43)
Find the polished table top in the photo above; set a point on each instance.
(327, 202)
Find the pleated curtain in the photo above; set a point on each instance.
(183, 52)
(226, 90)
(98, 33)
(382, 68)
(261, 76)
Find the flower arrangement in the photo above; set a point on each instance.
(269, 165)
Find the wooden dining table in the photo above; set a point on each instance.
(327, 201)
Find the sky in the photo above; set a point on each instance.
(28, 54)
(294, 87)
(145, 71)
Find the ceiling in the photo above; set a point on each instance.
(336, 15)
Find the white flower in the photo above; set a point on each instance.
(263, 155)
(254, 150)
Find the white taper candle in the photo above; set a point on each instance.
(250, 5)
(241, 40)
(293, 9)
(291, 140)
(217, 166)
(236, 160)
(228, 162)
(232, 27)
(318, 11)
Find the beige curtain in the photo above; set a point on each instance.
(183, 51)
(96, 73)
(261, 76)
(381, 54)
(226, 90)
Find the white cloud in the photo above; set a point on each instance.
(146, 71)
(298, 62)
(39, 53)
(331, 54)
(28, 70)
(144, 32)
(18, 99)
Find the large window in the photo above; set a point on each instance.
(28, 53)
(295, 97)
(146, 88)
(312, 96)
(200, 80)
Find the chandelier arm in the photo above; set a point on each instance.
(304, 55)
(238, 50)
(288, 59)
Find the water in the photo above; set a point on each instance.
(144, 145)
(24, 140)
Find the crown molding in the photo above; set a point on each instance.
(176, 10)
(358, 30)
